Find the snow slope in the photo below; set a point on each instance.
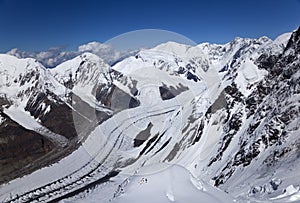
(175, 184)
(82, 74)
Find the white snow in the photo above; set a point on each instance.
(283, 39)
(174, 184)
(13, 69)
(84, 71)
(70, 67)
(22, 117)
(14, 66)
(1, 120)
(249, 74)
(291, 194)
(47, 109)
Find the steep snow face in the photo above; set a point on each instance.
(82, 75)
(20, 78)
(235, 61)
(232, 54)
(247, 76)
(82, 70)
(278, 44)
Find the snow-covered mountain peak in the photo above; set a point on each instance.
(15, 66)
(81, 69)
(173, 47)
(181, 50)
(73, 65)
(171, 57)
(283, 39)
(274, 47)
(19, 77)
(264, 39)
(231, 55)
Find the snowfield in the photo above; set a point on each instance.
(173, 184)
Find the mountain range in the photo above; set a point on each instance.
(223, 120)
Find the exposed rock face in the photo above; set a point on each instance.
(18, 147)
(59, 119)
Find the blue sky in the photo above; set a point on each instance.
(34, 25)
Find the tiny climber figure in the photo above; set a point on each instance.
(143, 180)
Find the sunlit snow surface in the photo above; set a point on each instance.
(174, 184)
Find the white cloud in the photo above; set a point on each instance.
(104, 51)
(95, 46)
(50, 58)
(18, 53)
(56, 55)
